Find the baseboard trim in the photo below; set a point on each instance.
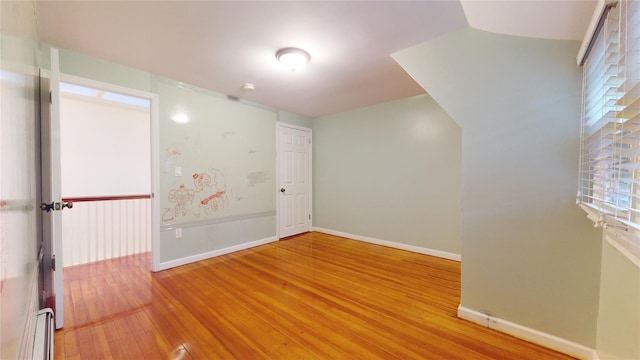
(214, 253)
(412, 248)
(528, 334)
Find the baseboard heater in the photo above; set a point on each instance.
(43, 340)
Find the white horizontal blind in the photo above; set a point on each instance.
(628, 109)
(610, 148)
(600, 153)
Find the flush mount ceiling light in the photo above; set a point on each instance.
(293, 58)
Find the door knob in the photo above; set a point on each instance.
(68, 205)
(282, 190)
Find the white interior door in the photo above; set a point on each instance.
(52, 205)
(294, 179)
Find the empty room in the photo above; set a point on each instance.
(320, 179)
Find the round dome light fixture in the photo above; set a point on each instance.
(293, 58)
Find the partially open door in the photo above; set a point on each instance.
(52, 204)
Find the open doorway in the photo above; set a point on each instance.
(105, 171)
(108, 167)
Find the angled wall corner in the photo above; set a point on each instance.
(529, 254)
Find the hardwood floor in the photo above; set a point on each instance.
(313, 296)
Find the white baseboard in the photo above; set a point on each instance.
(412, 248)
(214, 253)
(528, 334)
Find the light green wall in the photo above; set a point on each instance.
(78, 64)
(295, 119)
(390, 172)
(202, 236)
(619, 315)
(529, 254)
(229, 147)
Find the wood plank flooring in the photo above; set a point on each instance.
(312, 296)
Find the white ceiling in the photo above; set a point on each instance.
(222, 45)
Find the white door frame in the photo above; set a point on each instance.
(279, 125)
(155, 146)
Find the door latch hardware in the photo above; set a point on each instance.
(56, 206)
(47, 207)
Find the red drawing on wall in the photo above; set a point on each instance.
(217, 195)
(211, 190)
(183, 198)
(173, 152)
(201, 180)
(167, 215)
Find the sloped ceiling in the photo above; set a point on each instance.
(560, 20)
(223, 45)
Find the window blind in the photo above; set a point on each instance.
(609, 188)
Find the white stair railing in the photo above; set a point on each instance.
(100, 228)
